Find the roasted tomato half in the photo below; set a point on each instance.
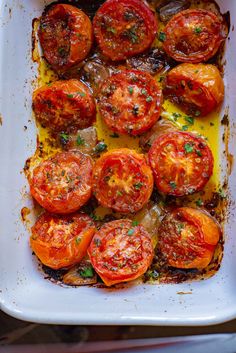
(130, 102)
(197, 88)
(61, 241)
(64, 106)
(121, 252)
(63, 183)
(182, 163)
(124, 28)
(193, 36)
(122, 180)
(187, 238)
(66, 36)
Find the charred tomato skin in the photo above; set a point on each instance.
(193, 36)
(187, 238)
(63, 183)
(61, 241)
(122, 180)
(182, 163)
(120, 252)
(64, 106)
(130, 102)
(124, 28)
(197, 88)
(66, 36)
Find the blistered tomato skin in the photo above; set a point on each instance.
(64, 106)
(193, 36)
(66, 36)
(122, 180)
(124, 28)
(197, 88)
(63, 183)
(121, 252)
(182, 163)
(61, 241)
(187, 238)
(130, 102)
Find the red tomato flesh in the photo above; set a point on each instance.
(66, 36)
(193, 35)
(124, 28)
(63, 183)
(61, 241)
(122, 180)
(121, 252)
(182, 163)
(187, 238)
(130, 102)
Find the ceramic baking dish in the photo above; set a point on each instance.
(24, 293)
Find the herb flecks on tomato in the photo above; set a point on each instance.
(130, 102)
(61, 241)
(182, 163)
(121, 252)
(193, 36)
(66, 36)
(122, 180)
(187, 238)
(63, 183)
(124, 28)
(197, 88)
(64, 106)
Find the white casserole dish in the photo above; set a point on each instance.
(24, 293)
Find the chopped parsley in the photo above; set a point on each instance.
(197, 30)
(199, 202)
(119, 193)
(80, 141)
(144, 91)
(152, 274)
(180, 226)
(189, 119)
(111, 29)
(130, 232)
(87, 272)
(64, 137)
(100, 147)
(222, 193)
(149, 99)
(138, 186)
(130, 89)
(172, 185)
(135, 223)
(199, 153)
(82, 94)
(188, 147)
(77, 240)
(184, 128)
(197, 113)
(70, 96)
(162, 37)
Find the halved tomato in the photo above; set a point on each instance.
(130, 102)
(121, 252)
(187, 238)
(124, 28)
(61, 241)
(64, 106)
(193, 35)
(66, 36)
(63, 183)
(122, 180)
(182, 163)
(197, 88)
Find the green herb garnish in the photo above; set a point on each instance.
(172, 185)
(138, 186)
(130, 89)
(184, 128)
(188, 147)
(87, 272)
(162, 37)
(80, 141)
(189, 119)
(197, 30)
(199, 202)
(100, 147)
(130, 232)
